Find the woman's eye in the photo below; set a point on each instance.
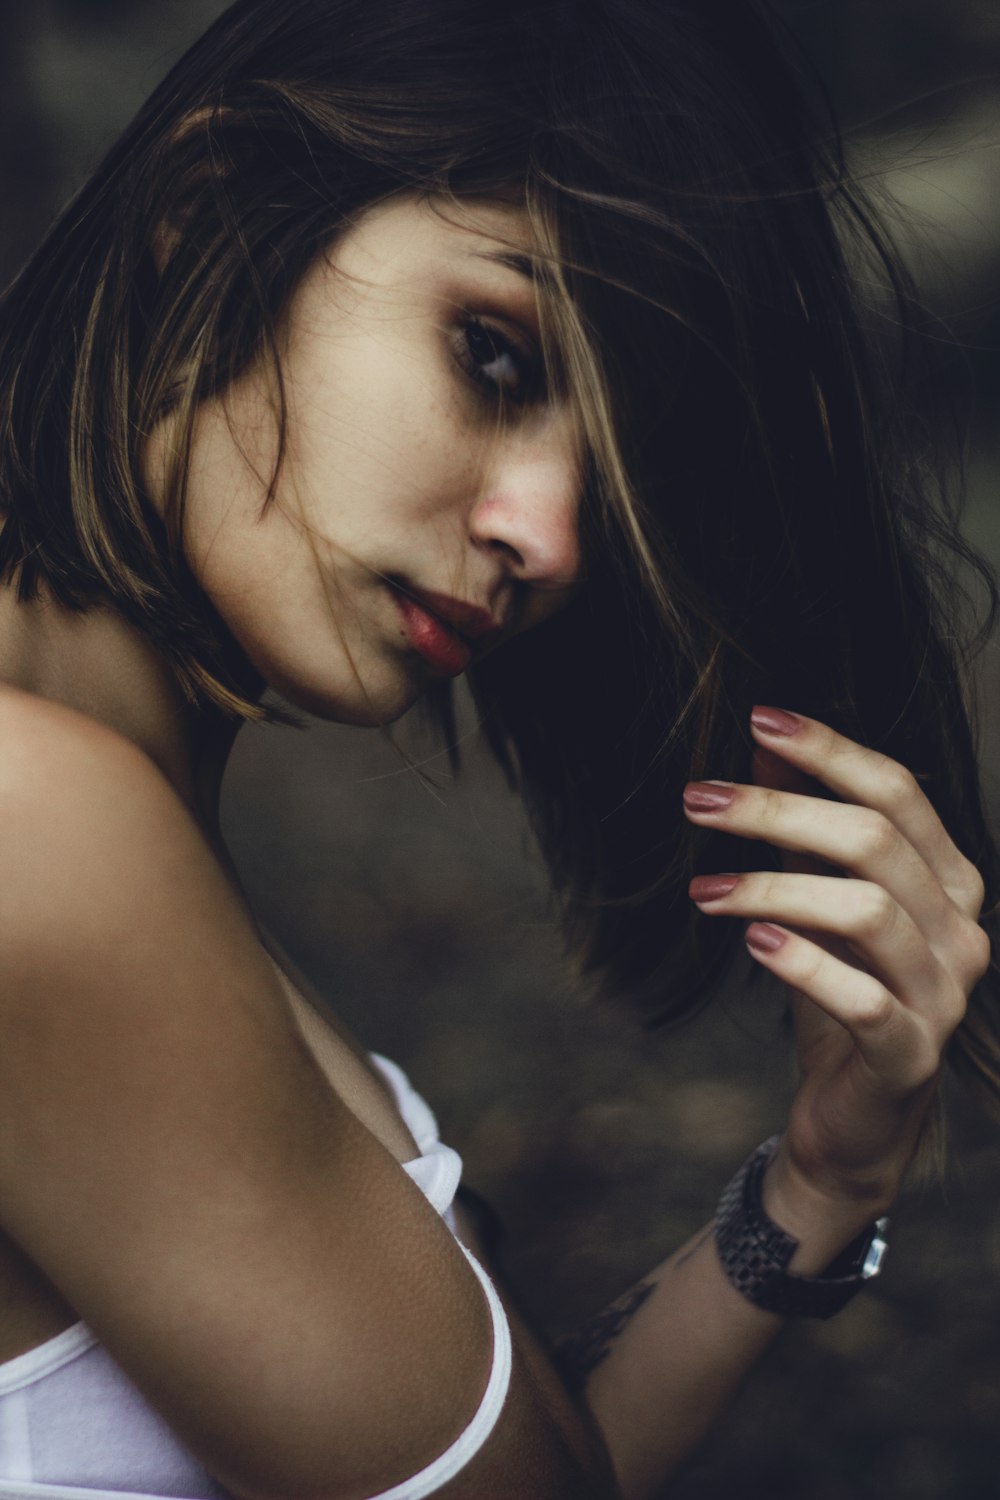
(498, 364)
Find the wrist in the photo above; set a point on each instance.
(822, 1219)
(757, 1254)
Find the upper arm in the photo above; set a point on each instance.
(173, 1159)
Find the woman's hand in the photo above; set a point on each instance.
(881, 956)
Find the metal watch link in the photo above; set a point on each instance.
(755, 1253)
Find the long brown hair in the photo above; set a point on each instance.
(763, 517)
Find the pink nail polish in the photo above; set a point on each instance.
(763, 938)
(704, 796)
(775, 721)
(712, 887)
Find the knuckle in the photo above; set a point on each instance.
(874, 1007)
(949, 1007)
(752, 890)
(925, 1063)
(766, 889)
(970, 888)
(984, 951)
(769, 803)
(876, 913)
(875, 836)
(811, 969)
(953, 1008)
(900, 787)
(976, 951)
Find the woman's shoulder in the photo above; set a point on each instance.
(80, 807)
(172, 1155)
(43, 742)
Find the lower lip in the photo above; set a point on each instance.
(440, 648)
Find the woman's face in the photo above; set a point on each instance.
(411, 531)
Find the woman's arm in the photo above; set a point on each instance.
(881, 964)
(661, 1363)
(173, 1159)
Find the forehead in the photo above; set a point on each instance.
(408, 235)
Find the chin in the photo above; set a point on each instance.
(365, 705)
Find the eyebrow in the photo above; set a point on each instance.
(522, 264)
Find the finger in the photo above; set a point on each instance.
(870, 778)
(854, 838)
(898, 1047)
(771, 771)
(768, 769)
(862, 914)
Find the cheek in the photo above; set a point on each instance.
(254, 558)
(378, 433)
(348, 400)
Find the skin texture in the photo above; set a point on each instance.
(171, 1109)
(887, 957)
(396, 469)
(880, 969)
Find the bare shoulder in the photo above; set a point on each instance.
(50, 755)
(87, 821)
(171, 1156)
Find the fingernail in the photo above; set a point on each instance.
(763, 938)
(708, 796)
(712, 887)
(775, 721)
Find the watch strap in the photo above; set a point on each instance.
(755, 1253)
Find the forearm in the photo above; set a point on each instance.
(873, 925)
(661, 1363)
(659, 1366)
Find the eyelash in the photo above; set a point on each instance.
(526, 362)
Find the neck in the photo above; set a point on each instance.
(104, 667)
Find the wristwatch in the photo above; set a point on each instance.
(755, 1253)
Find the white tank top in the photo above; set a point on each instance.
(74, 1427)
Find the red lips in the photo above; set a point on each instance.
(467, 620)
(439, 647)
(443, 631)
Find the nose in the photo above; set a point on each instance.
(529, 510)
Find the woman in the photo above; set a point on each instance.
(393, 342)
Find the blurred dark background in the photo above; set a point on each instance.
(419, 907)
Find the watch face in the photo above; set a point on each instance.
(875, 1255)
